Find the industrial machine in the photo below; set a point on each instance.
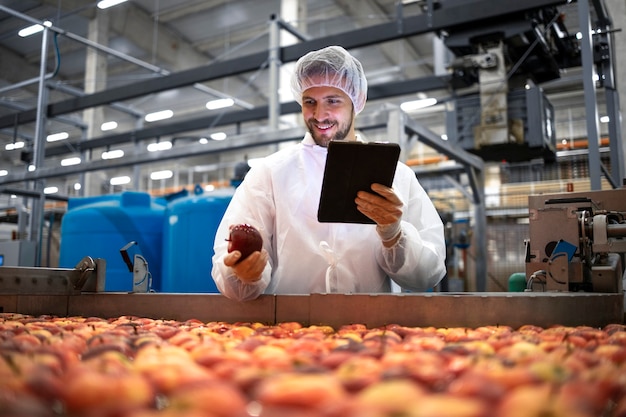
(87, 276)
(509, 118)
(577, 241)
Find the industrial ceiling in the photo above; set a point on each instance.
(153, 55)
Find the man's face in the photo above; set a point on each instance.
(328, 114)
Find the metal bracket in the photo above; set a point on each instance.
(87, 276)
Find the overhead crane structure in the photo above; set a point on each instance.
(451, 14)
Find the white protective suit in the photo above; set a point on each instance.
(280, 197)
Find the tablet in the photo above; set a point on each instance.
(351, 167)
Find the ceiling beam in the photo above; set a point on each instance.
(403, 54)
(151, 35)
(375, 92)
(177, 11)
(248, 140)
(439, 19)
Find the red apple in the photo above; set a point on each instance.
(214, 398)
(308, 391)
(244, 238)
(86, 390)
(393, 397)
(447, 405)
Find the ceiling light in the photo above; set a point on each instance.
(218, 136)
(31, 30)
(105, 4)
(220, 103)
(50, 190)
(114, 154)
(605, 119)
(57, 136)
(161, 175)
(70, 161)
(160, 146)
(119, 180)
(409, 106)
(31, 168)
(203, 141)
(159, 115)
(108, 126)
(77, 186)
(14, 145)
(3, 172)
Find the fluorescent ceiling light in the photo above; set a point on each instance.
(114, 154)
(3, 172)
(160, 146)
(57, 136)
(161, 175)
(408, 106)
(14, 145)
(119, 180)
(159, 115)
(51, 190)
(108, 126)
(75, 160)
(31, 30)
(220, 103)
(218, 136)
(105, 4)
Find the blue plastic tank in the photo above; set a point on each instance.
(189, 231)
(100, 226)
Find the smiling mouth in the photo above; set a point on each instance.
(323, 126)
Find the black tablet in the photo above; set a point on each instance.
(350, 167)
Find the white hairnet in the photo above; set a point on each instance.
(332, 66)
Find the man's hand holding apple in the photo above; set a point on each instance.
(246, 255)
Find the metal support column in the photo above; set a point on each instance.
(274, 75)
(615, 136)
(477, 177)
(607, 72)
(95, 79)
(136, 179)
(474, 167)
(39, 149)
(591, 105)
(396, 132)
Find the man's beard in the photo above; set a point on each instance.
(322, 140)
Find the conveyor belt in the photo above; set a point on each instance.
(430, 309)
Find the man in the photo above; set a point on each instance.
(280, 196)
